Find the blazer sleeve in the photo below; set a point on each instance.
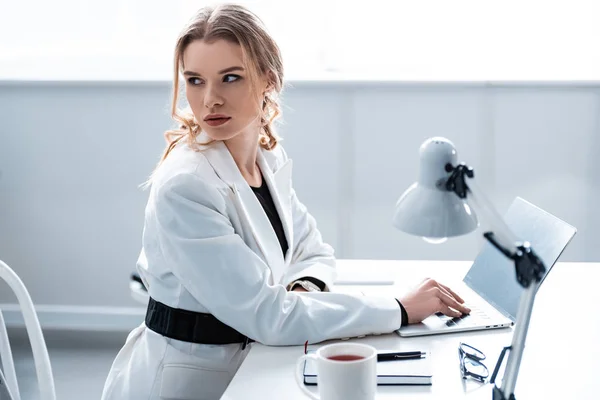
(222, 273)
(311, 256)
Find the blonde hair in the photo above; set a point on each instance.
(261, 57)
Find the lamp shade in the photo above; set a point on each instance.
(427, 208)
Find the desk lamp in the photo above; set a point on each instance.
(441, 204)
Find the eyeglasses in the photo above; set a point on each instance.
(470, 363)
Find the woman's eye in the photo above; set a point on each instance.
(231, 78)
(194, 81)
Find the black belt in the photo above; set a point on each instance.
(190, 326)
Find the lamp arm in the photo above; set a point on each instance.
(503, 235)
(529, 270)
(470, 191)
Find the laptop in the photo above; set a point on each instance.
(490, 288)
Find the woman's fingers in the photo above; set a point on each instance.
(451, 302)
(444, 309)
(457, 297)
(431, 297)
(445, 289)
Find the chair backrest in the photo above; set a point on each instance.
(36, 337)
(8, 366)
(4, 392)
(139, 292)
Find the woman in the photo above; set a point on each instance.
(230, 255)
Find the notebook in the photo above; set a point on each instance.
(403, 372)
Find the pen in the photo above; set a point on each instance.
(402, 355)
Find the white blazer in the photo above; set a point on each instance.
(208, 246)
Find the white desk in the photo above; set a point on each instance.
(557, 362)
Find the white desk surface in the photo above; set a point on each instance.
(560, 359)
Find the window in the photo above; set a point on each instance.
(375, 39)
(473, 39)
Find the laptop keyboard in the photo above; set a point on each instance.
(476, 317)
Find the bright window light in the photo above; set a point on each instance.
(325, 39)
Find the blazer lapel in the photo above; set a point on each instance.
(248, 207)
(280, 187)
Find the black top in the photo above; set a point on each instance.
(266, 201)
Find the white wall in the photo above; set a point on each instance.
(72, 155)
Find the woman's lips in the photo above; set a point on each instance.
(217, 121)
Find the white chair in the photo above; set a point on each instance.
(138, 291)
(38, 345)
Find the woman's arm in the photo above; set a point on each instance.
(217, 268)
(311, 256)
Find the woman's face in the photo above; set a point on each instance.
(218, 89)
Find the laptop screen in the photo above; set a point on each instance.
(493, 276)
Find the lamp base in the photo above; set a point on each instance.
(498, 395)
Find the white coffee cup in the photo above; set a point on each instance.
(345, 371)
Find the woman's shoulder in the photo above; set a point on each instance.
(186, 166)
(275, 157)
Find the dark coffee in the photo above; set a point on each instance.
(345, 357)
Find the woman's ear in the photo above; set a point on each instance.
(268, 89)
(270, 83)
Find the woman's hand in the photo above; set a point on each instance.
(431, 297)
